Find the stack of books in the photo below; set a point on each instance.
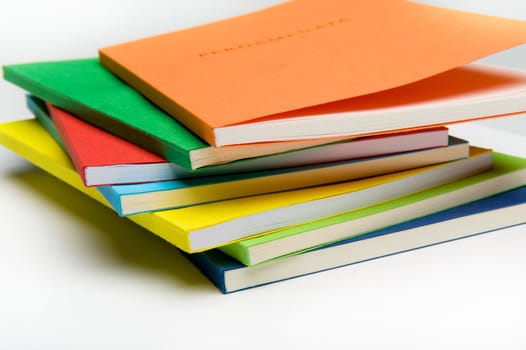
(302, 137)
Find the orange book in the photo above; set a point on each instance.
(254, 78)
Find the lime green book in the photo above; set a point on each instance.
(508, 173)
(211, 225)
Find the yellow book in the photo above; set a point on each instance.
(211, 225)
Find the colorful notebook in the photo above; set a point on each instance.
(482, 216)
(256, 77)
(102, 158)
(301, 238)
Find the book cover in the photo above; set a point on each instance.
(102, 158)
(84, 88)
(257, 66)
(178, 226)
(484, 215)
(131, 199)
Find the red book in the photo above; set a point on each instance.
(102, 158)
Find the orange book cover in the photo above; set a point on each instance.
(299, 54)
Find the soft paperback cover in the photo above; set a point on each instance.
(481, 216)
(28, 139)
(86, 89)
(254, 67)
(102, 158)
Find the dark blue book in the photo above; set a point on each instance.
(478, 217)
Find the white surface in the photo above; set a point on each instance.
(75, 276)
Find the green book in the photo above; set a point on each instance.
(86, 89)
(508, 172)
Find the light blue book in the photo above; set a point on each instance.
(131, 199)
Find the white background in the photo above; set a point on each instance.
(75, 276)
